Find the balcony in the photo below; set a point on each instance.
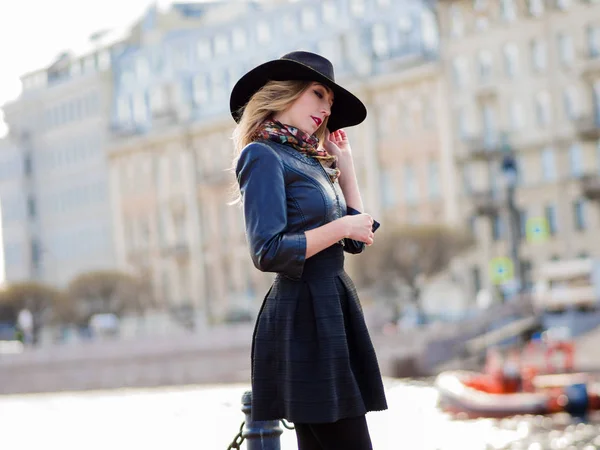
(179, 251)
(482, 148)
(588, 127)
(485, 203)
(486, 90)
(590, 186)
(590, 67)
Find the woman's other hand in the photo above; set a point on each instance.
(359, 227)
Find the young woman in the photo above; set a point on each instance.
(313, 362)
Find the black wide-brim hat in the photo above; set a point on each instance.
(347, 109)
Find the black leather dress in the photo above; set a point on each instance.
(312, 357)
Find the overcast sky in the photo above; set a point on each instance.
(33, 32)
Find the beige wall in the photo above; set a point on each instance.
(193, 247)
(489, 31)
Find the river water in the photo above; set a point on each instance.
(208, 417)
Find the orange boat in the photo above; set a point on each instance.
(474, 395)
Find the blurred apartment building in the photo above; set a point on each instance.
(54, 172)
(171, 153)
(525, 75)
(55, 200)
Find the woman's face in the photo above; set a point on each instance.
(309, 111)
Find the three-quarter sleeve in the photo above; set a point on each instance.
(350, 245)
(260, 175)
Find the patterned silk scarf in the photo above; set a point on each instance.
(305, 143)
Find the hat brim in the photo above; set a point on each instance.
(347, 109)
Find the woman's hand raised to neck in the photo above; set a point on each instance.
(338, 144)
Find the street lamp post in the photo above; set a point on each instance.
(510, 175)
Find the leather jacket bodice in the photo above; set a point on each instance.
(284, 194)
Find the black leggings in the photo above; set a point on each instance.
(346, 434)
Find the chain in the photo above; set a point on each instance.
(237, 440)
(287, 425)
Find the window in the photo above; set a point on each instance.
(484, 59)
(238, 39)
(158, 101)
(463, 127)
(536, 7)
(539, 57)
(380, 39)
(497, 228)
(140, 112)
(517, 115)
(218, 86)
(27, 165)
(103, 60)
(123, 109)
(199, 89)
(551, 219)
(460, 70)
(579, 215)
(410, 184)
(328, 11)
(329, 48)
(523, 217)
(542, 108)
(508, 10)
(476, 279)
(481, 8)
(548, 165)
(433, 172)
(593, 40)
(405, 30)
(576, 160)
(429, 30)
(387, 188)
(511, 60)
(142, 69)
(428, 114)
(566, 49)
(570, 103)
(357, 7)
(89, 64)
(203, 50)
(263, 32)
(221, 44)
(31, 207)
(74, 69)
(457, 23)
(308, 19)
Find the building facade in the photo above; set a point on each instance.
(524, 77)
(60, 125)
(171, 156)
(60, 128)
(19, 257)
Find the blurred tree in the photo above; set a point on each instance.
(405, 257)
(106, 292)
(45, 303)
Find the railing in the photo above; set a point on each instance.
(485, 203)
(483, 147)
(590, 186)
(588, 127)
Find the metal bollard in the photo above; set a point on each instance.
(259, 434)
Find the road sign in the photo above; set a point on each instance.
(501, 270)
(537, 229)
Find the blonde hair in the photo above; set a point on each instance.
(274, 97)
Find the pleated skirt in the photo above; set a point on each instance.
(312, 357)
